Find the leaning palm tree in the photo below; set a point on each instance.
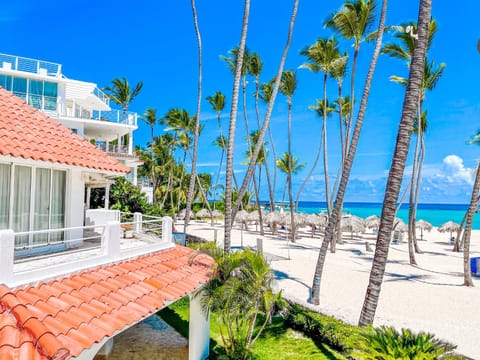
(268, 114)
(323, 56)
(288, 85)
(347, 167)
(399, 159)
(121, 93)
(232, 127)
(150, 118)
(196, 132)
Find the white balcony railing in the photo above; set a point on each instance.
(114, 148)
(11, 62)
(54, 107)
(57, 252)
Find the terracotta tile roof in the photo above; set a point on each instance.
(60, 318)
(28, 133)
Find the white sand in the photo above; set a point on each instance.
(428, 297)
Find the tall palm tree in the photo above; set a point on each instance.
(352, 22)
(333, 219)
(268, 114)
(394, 181)
(217, 101)
(150, 118)
(196, 132)
(231, 131)
(290, 165)
(323, 56)
(288, 85)
(121, 93)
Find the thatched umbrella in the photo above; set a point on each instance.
(182, 213)
(423, 225)
(316, 221)
(203, 214)
(273, 219)
(217, 214)
(372, 222)
(242, 218)
(353, 224)
(450, 227)
(255, 216)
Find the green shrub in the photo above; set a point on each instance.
(326, 329)
(386, 343)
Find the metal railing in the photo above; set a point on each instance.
(113, 148)
(11, 62)
(116, 116)
(101, 95)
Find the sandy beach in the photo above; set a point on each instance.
(428, 297)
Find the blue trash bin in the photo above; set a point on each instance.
(179, 238)
(475, 266)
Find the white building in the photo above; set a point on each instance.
(78, 105)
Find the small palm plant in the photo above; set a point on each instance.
(386, 343)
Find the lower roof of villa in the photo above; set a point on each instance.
(60, 318)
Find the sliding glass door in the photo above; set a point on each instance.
(41, 214)
(22, 189)
(4, 195)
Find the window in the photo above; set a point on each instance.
(6, 82)
(4, 195)
(50, 92)
(20, 87)
(35, 91)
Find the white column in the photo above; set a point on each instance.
(89, 192)
(137, 218)
(107, 146)
(111, 240)
(198, 331)
(134, 182)
(130, 143)
(167, 229)
(107, 196)
(7, 248)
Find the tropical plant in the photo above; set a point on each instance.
(196, 132)
(290, 165)
(121, 93)
(386, 343)
(397, 168)
(241, 294)
(323, 56)
(347, 167)
(150, 118)
(231, 131)
(288, 85)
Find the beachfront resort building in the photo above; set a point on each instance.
(78, 105)
(71, 279)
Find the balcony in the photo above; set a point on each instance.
(114, 148)
(56, 108)
(11, 62)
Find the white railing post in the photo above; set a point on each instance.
(137, 218)
(111, 240)
(167, 229)
(7, 248)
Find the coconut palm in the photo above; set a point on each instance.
(323, 56)
(121, 93)
(268, 114)
(347, 167)
(150, 118)
(398, 166)
(288, 85)
(232, 127)
(353, 21)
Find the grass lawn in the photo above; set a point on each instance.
(276, 338)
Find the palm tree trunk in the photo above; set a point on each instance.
(266, 122)
(332, 221)
(398, 166)
(274, 184)
(411, 213)
(467, 272)
(456, 246)
(417, 189)
(324, 136)
(312, 169)
(231, 132)
(193, 176)
(290, 175)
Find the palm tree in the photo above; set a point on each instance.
(333, 219)
(288, 86)
(409, 111)
(353, 21)
(289, 165)
(121, 94)
(150, 118)
(323, 56)
(232, 127)
(268, 114)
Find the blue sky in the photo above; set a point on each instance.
(154, 41)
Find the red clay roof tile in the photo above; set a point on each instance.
(63, 317)
(30, 134)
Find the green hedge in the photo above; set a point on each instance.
(326, 329)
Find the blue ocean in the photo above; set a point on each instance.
(436, 214)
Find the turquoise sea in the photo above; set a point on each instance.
(436, 214)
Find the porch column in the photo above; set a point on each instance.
(134, 180)
(130, 143)
(107, 196)
(199, 331)
(7, 251)
(89, 192)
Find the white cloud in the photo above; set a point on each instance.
(455, 170)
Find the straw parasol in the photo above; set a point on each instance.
(217, 214)
(450, 227)
(242, 218)
(353, 224)
(181, 215)
(203, 214)
(372, 222)
(315, 221)
(423, 225)
(273, 218)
